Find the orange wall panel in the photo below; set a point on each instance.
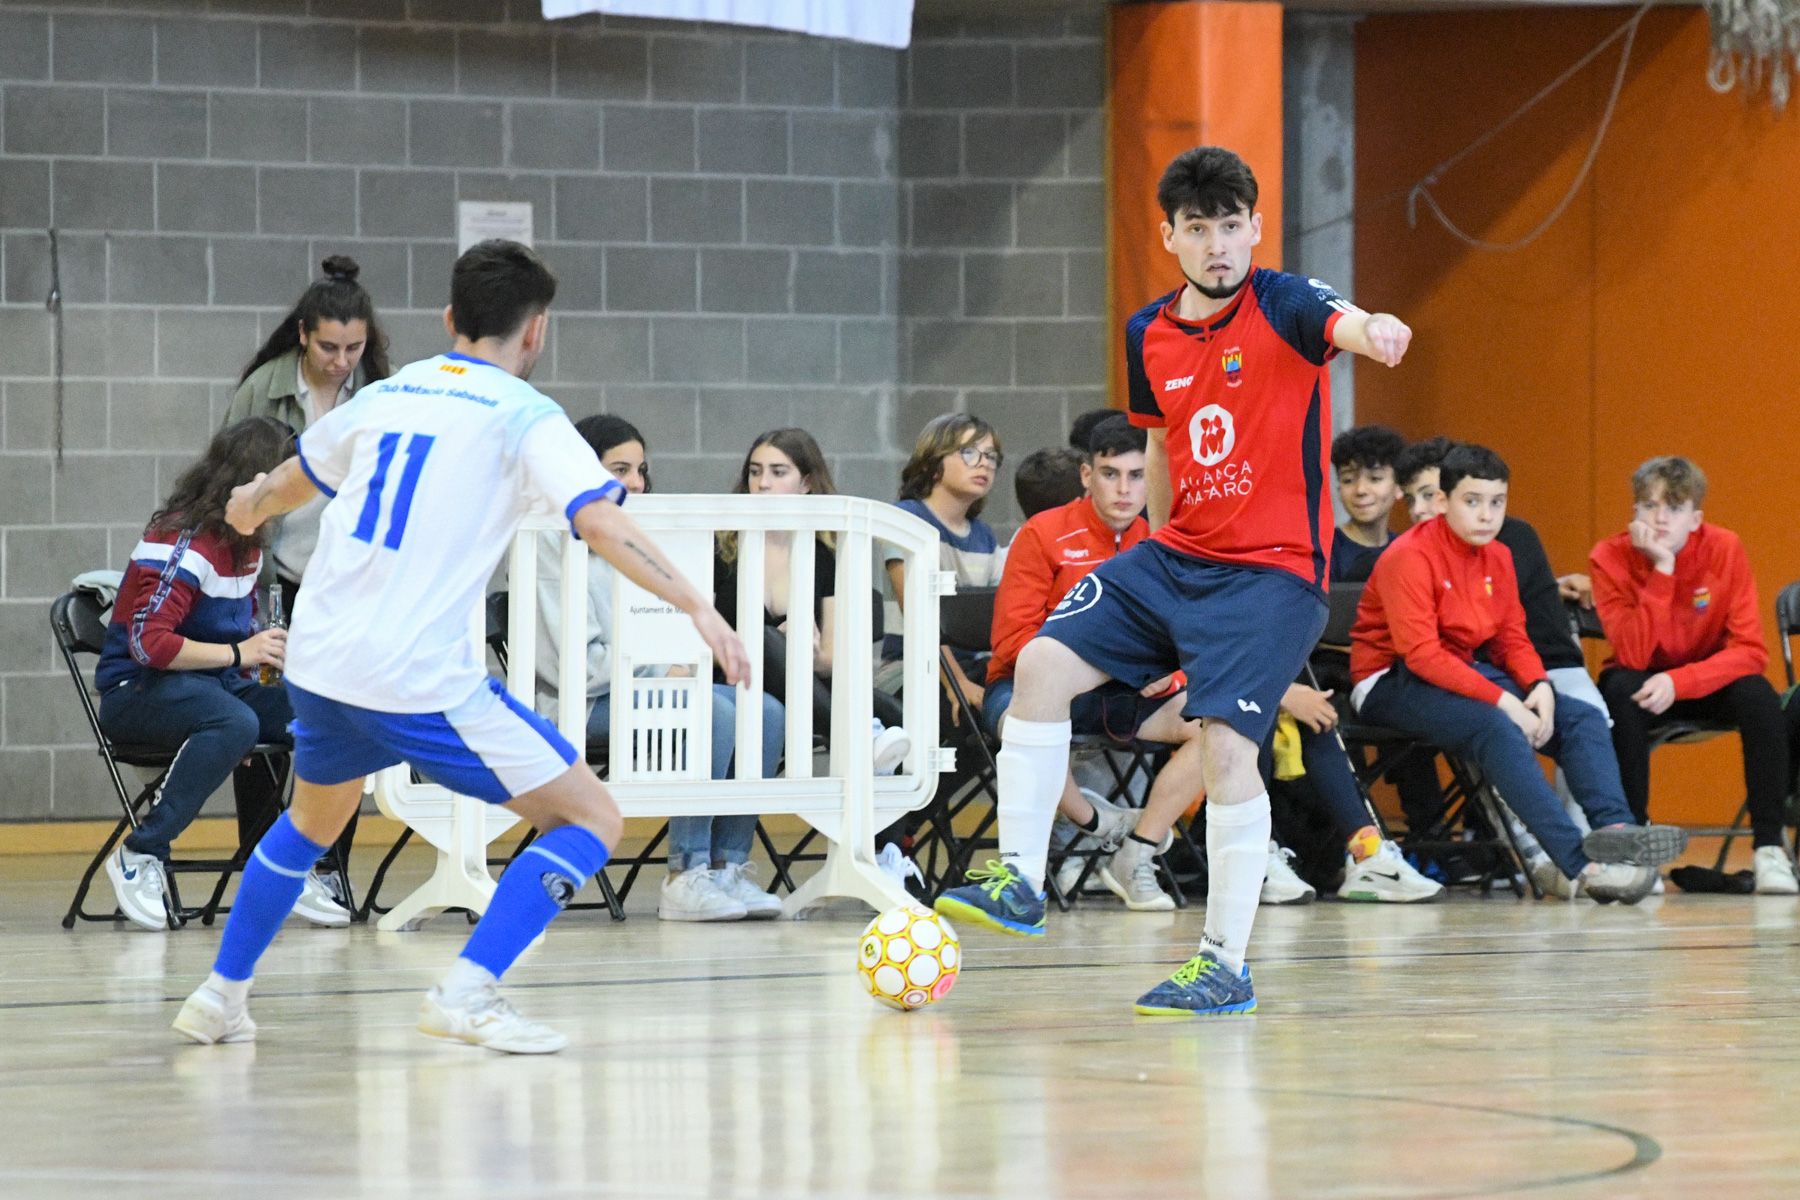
(1649, 319)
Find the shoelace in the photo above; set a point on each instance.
(992, 878)
(1189, 972)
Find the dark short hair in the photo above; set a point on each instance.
(1083, 427)
(1207, 181)
(1366, 447)
(495, 287)
(1681, 478)
(603, 431)
(1419, 456)
(1047, 478)
(1469, 461)
(1116, 435)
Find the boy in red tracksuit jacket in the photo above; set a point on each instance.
(1046, 565)
(1445, 589)
(1679, 606)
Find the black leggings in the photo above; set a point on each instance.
(1750, 703)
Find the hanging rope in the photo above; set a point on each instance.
(53, 305)
(1754, 41)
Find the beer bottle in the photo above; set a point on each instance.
(269, 674)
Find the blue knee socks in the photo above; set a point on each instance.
(271, 884)
(538, 884)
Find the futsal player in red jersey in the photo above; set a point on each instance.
(1228, 374)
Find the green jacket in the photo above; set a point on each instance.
(272, 390)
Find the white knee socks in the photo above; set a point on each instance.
(1033, 763)
(1237, 855)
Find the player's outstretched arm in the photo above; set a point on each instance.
(617, 538)
(269, 495)
(1380, 336)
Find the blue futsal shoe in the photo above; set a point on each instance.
(1201, 987)
(998, 897)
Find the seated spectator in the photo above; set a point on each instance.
(176, 668)
(945, 484)
(788, 462)
(1364, 460)
(1081, 430)
(1444, 591)
(1047, 478)
(710, 877)
(1052, 554)
(1679, 605)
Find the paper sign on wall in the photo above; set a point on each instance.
(479, 220)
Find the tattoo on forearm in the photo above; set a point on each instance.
(650, 561)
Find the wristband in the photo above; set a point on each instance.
(237, 657)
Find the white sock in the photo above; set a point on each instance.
(1237, 855)
(235, 991)
(464, 979)
(1033, 762)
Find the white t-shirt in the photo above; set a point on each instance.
(429, 473)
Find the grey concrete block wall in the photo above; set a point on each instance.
(753, 230)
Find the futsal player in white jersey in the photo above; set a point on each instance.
(429, 473)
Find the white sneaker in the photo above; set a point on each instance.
(693, 895)
(486, 1019)
(319, 904)
(736, 881)
(896, 863)
(1114, 822)
(1775, 872)
(1386, 877)
(137, 881)
(1068, 872)
(1130, 874)
(1624, 882)
(208, 1018)
(892, 744)
(1549, 878)
(1280, 884)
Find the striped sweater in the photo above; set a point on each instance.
(176, 588)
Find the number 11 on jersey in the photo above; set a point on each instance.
(417, 447)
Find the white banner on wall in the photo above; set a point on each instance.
(877, 22)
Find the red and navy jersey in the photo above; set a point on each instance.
(176, 588)
(1246, 399)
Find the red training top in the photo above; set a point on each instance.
(1700, 624)
(1048, 556)
(1432, 602)
(1246, 399)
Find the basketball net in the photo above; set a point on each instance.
(1754, 42)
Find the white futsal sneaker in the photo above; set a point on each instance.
(1280, 884)
(1130, 874)
(1385, 877)
(137, 881)
(1775, 872)
(209, 1019)
(694, 895)
(485, 1018)
(737, 881)
(1623, 882)
(319, 904)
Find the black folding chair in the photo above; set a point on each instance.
(1675, 731)
(1472, 823)
(965, 623)
(78, 621)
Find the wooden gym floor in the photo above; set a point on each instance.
(1467, 1049)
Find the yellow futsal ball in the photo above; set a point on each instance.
(909, 957)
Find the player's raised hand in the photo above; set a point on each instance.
(240, 510)
(727, 648)
(1388, 338)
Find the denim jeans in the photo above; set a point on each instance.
(1481, 733)
(211, 719)
(702, 841)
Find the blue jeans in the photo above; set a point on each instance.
(211, 719)
(702, 841)
(1484, 735)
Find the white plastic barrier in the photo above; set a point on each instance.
(660, 751)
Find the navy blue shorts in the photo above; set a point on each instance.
(1241, 634)
(490, 746)
(1111, 709)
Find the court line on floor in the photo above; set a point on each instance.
(825, 972)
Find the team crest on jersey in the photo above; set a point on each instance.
(453, 368)
(1487, 581)
(1233, 362)
(1213, 435)
(1083, 596)
(1702, 599)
